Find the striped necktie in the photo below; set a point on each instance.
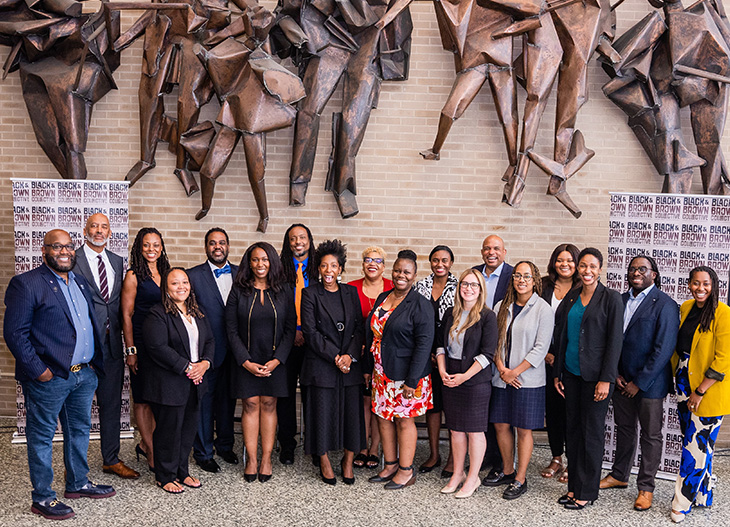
(103, 285)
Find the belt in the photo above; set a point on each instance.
(78, 367)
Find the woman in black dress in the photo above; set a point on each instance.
(333, 330)
(260, 322)
(140, 291)
(180, 348)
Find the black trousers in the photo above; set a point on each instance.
(554, 415)
(286, 407)
(649, 413)
(109, 399)
(216, 416)
(584, 444)
(172, 440)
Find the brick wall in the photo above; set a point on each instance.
(404, 200)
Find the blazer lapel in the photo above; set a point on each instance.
(182, 331)
(321, 292)
(118, 268)
(83, 264)
(52, 282)
(210, 278)
(644, 306)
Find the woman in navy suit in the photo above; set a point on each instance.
(180, 348)
(333, 330)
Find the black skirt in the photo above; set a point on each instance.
(334, 419)
(466, 408)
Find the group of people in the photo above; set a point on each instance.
(498, 352)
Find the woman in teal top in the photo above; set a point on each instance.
(588, 338)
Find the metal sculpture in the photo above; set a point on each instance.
(682, 60)
(364, 41)
(66, 65)
(257, 96)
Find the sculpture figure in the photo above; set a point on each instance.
(66, 65)
(257, 96)
(346, 38)
(682, 60)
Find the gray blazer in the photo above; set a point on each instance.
(106, 310)
(532, 333)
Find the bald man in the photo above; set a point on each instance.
(104, 271)
(49, 328)
(496, 272)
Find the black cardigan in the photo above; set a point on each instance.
(407, 338)
(168, 347)
(601, 334)
(479, 339)
(320, 334)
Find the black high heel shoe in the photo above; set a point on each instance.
(425, 469)
(562, 500)
(138, 450)
(345, 479)
(392, 485)
(249, 478)
(263, 478)
(573, 505)
(328, 481)
(377, 478)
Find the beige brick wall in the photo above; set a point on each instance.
(404, 200)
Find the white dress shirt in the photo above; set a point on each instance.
(224, 281)
(92, 258)
(193, 335)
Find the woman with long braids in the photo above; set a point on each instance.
(148, 263)
(702, 363)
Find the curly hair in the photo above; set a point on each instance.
(287, 257)
(191, 303)
(375, 249)
(708, 310)
(331, 247)
(509, 299)
(245, 277)
(138, 264)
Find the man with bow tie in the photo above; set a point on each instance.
(211, 283)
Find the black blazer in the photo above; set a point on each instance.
(106, 310)
(480, 339)
(502, 284)
(320, 334)
(168, 349)
(237, 313)
(407, 339)
(601, 334)
(212, 306)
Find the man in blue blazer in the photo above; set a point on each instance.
(212, 281)
(651, 323)
(49, 328)
(104, 271)
(497, 273)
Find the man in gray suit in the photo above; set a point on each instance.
(104, 271)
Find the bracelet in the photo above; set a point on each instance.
(131, 350)
(189, 368)
(698, 392)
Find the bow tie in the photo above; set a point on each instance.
(225, 270)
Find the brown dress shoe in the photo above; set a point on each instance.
(609, 482)
(121, 470)
(643, 500)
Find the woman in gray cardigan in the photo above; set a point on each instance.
(525, 324)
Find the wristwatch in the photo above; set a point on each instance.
(189, 368)
(698, 392)
(131, 350)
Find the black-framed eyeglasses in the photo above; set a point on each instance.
(57, 247)
(526, 277)
(378, 261)
(474, 286)
(643, 269)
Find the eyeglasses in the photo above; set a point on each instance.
(643, 269)
(526, 277)
(474, 286)
(57, 247)
(378, 261)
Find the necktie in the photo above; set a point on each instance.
(298, 292)
(103, 285)
(226, 269)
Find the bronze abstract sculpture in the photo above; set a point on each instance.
(682, 60)
(66, 65)
(364, 41)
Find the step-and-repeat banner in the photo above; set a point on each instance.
(680, 232)
(40, 205)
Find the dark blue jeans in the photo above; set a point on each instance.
(67, 400)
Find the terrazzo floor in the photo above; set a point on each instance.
(296, 497)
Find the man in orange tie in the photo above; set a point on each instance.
(297, 253)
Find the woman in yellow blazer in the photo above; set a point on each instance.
(702, 360)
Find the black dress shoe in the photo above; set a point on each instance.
(249, 478)
(377, 478)
(514, 490)
(425, 469)
(328, 481)
(229, 456)
(562, 500)
(495, 479)
(52, 510)
(392, 485)
(446, 474)
(573, 505)
(286, 457)
(209, 465)
(263, 478)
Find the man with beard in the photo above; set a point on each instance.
(651, 323)
(212, 281)
(50, 330)
(297, 258)
(104, 271)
